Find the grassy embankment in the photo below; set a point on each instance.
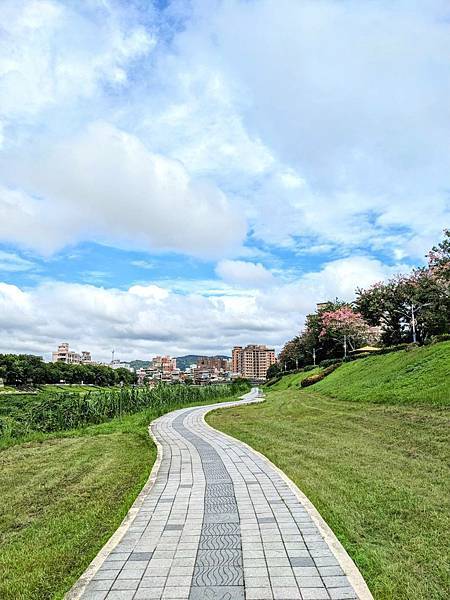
(369, 445)
(62, 495)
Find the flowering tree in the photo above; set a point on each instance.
(439, 259)
(346, 326)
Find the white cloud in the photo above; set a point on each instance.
(105, 184)
(52, 54)
(244, 273)
(148, 319)
(346, 100)
(323, 121)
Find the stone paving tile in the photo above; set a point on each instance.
(218, 524)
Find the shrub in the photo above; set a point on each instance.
(442, 337)
(396, 348)
(312, 379)
(330, 361)
(331, 368)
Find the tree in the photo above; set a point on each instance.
(273, 371)
(439, 258)
(408, 308)
(346, 326)
(381, 305)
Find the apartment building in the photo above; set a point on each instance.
(164, 364)
(252, 361)
(214, 362)
(65, 355)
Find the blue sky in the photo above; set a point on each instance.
(181, 176)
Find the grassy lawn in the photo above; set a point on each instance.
(62, 495)
(60, 500)
(377, 473)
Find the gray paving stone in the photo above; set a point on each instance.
(217, 593)
(148, 594)
(125, 584)
(120, 595)
(314, 594)
(101, 585)
(94, 595)
(336, 581)
(289, 593)
(259, 593)
(309, 582)
(306, 572)
(283, 582)
(342, 594)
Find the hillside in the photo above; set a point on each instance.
(139, 364)
(417, 376)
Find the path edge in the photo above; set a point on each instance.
(81, 583)
(351, 570)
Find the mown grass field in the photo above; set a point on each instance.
(62, 495)
(376, 466)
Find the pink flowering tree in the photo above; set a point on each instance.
(346, 326)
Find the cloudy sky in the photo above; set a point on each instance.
(184, 175)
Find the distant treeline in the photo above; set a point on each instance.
(23, 370)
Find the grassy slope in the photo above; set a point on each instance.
(419, 376)
(378, 473)
(62, 496)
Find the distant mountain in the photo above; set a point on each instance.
(139, 364)
(183, 362)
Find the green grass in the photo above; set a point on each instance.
(62, 495)
(419, 376)
(7, 389)
(378, 471)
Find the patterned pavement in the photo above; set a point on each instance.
(219, 523)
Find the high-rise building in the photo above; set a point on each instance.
(252, 361)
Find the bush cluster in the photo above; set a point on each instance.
(443, 337)
(330, 361)
(312, 379)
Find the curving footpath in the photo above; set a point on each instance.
(218, 521)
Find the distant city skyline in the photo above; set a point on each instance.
(175, 179)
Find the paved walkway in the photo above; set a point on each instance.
(220, 523)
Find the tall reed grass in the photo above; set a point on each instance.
(69, 410)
